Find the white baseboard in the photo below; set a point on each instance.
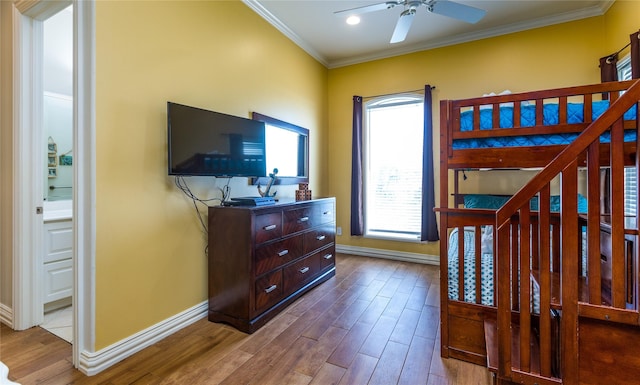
(92, 363)
(389, 254)
(6, 315)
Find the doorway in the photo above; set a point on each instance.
(57, 144)
(30, 157)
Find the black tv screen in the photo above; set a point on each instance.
(208, 143)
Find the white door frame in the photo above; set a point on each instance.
(27, 302)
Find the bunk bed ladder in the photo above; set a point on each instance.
(549, 273)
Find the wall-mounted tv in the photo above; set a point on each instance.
(208, 143)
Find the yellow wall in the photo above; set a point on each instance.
(621, 20)
(219, 55)
(551, 57)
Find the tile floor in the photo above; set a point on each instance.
(59, 322)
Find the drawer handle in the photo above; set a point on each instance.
(304, 270)
(326, 213)
(320, 237)
(328, 256)
(270, 227)
(283, 253)
(304, 219)
(270, 289)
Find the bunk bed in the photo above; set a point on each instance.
(536, 239)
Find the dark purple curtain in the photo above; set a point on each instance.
(608, 68)
(429, 230)
(357, 209)
(608, 71)
(635, 55)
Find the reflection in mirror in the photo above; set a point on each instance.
(58, 132)
(287, 149)
(279, 145)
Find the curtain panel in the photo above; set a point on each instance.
(635, 55)
(357, 208)
(429, 231)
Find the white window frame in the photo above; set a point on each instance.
(630, 173)
(381, 102)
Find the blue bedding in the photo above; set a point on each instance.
(494, 202)
(575, 114)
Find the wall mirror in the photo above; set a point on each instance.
(287, 149)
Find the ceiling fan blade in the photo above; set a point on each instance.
(402, 26)
(367, 8)
(456, 10)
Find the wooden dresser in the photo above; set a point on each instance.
(263, 258)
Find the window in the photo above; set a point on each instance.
(393, 141)
(630, 177)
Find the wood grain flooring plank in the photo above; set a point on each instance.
(209, 371)
(390, 364)
(351, 315)
(429, 322)
(433, 296)
(328, 375)
(282, 370)
(396, 305)
(390, 287)
(350, 344)
(265, 335)
(376, 341)
(371, 291)
(418, 362)
(374, 310)
(312, 360)
(361, 370)
(405, 327)
(417, 298)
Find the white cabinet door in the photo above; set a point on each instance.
(58, 241)
(58, 263)
(58, 280)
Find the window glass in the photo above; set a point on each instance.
(393, 167)
(630, 177)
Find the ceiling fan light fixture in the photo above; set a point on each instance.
(353, 20)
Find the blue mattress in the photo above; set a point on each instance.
(575, 114)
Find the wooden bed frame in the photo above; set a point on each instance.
(516, 344)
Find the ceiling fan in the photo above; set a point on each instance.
(448, 8)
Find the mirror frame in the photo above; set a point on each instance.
(285, 180)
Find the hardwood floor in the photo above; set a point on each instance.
(376, 322)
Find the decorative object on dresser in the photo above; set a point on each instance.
(262, 258)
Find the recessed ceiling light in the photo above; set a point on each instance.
(353, 20)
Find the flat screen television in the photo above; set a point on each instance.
(208, 143)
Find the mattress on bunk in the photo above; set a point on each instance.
(494, 202)
(486, 271)
(575, 114)
(469, 269)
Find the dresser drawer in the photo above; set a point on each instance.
(327, 258)
(299, 219)
(268, 227)
(301, 272)
(318, 238)
(327, 213)
(268, 290)
(273, 255)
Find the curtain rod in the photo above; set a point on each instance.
(615, 54)
(396, 93)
